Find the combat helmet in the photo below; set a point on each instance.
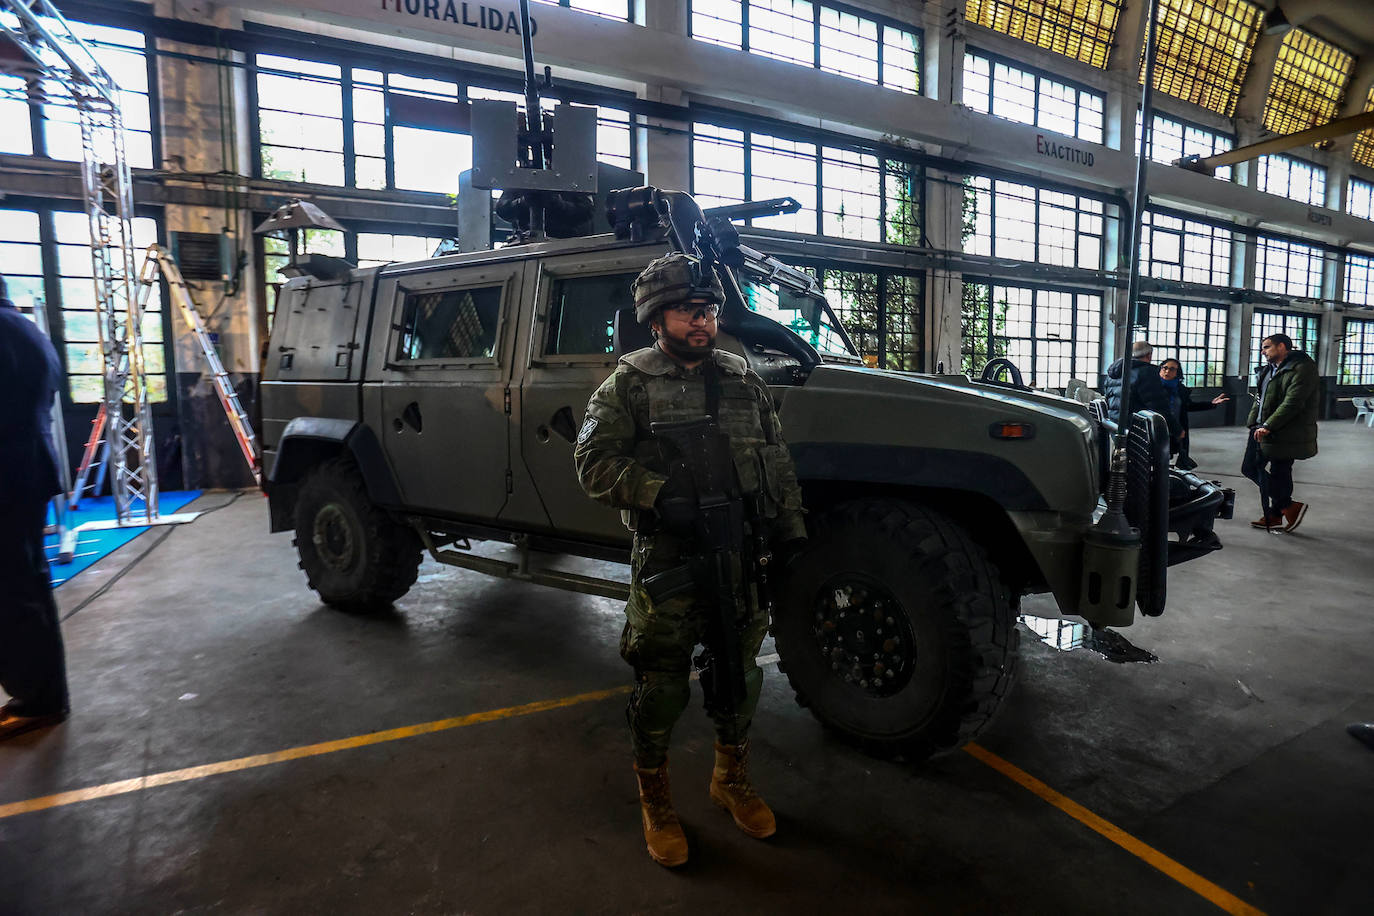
(671, 279)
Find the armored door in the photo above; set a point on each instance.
(443, 408)
(576, 298)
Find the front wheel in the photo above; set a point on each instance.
(354, 555)
(895, 629)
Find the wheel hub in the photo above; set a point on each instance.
(864, 633)
(333, 538)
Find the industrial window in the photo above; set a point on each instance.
(76, 293)
(123, 54)
(883, 312)
(21, 254)
(582, 313)
(1302, 328)
(17, 137)
(1203, 50)
(622, 10)
(1292, 178)
(844, 192)
(1173, 138)
(1359, 199)
(383, 247)
(1309, 82)
(1081, 29)
(1363, 152)
(1357, 353)
(324, 123)
(834, 39)
(1359, 279)
(1008, 90)
(1288, 268)
(1195, 335)
(450, 324)
(300, 120)
(1051, 335)
(1010, 220)
(1185, 250)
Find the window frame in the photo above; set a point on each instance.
(1171, 349)
(967, 353)
(1038, 203)
(553, 270)
(1041, 75)
(1365, 356)
(506, 276)
(1312, 326)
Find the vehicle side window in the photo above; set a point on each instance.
(450, 324)
(582, 313)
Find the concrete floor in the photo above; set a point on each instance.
(1228, 756)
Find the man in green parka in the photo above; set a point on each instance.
(1283, 429)
(619, 463)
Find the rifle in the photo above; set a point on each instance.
(719, 548)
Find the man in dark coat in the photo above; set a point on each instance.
(1147, 392)
(1283, 429)
(32, 667)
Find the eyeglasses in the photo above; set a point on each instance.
(691, 311)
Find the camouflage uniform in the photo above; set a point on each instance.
(619, 464)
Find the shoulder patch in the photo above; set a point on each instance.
(588, 428)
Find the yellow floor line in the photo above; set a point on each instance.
(125, 786)
(1143, 851)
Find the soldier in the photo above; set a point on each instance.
(619, 463)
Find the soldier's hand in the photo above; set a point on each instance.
(676, 503)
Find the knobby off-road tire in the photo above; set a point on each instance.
(896, 630)
(354, 555)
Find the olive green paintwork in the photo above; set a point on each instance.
(481, 440)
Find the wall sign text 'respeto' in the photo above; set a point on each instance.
(473, 15)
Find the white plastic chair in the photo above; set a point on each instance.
(1364, 408)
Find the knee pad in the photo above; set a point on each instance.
(658, 700)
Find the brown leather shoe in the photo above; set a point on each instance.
(732, 790)
(11, 724)
(663, 834)
(1292, 516)
(1274, 523)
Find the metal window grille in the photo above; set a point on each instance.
(1357, 352)
(1359, 199)
(1363, 152)
(1195, 335)
(1026, 223)
(1309, 82)
(1173, 138)
(1292, 178)
(836, 39)
(1359, 279)
(1204, 49)
(883, 311)
(844, 192)
(1288, 268)
(1009, 90)
(300, 119)
(1081, 29)
(1051, 334)
(1301, 327)
(1172, 248)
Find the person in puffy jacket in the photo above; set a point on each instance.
(1283, 429)
(1147, 392)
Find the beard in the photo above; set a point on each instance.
(688, 347)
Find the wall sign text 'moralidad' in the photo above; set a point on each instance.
(460, 12)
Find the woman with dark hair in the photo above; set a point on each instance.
(1180, 405)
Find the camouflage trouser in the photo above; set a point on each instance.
(658, 641)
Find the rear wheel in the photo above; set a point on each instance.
(896, 629)
(354, 555)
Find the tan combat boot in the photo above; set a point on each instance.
(662, 832)
(731, 790)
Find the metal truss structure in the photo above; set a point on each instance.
(62, 70)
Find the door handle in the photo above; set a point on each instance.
(562, 422)
(412, 418)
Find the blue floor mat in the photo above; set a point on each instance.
(92, 545)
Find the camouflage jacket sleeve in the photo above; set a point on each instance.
(790, 519)
(604, 454)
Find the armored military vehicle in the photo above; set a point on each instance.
(420, 407)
